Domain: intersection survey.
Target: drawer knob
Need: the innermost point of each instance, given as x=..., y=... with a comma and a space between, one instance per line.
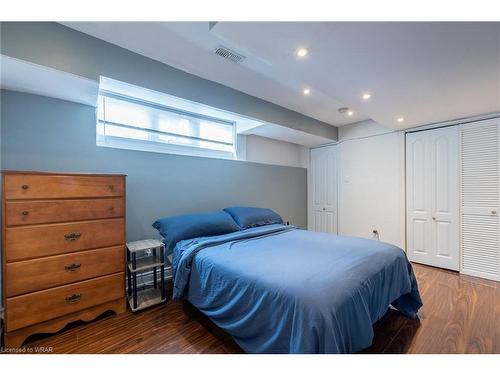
x=493, y=212
x=25, y=213
x=72, y=267
x=25, y=187
x=111, y=187
x=74, y=298
x=73, y=236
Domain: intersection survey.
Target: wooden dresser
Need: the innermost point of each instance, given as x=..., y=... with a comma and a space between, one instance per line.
x=63, y=239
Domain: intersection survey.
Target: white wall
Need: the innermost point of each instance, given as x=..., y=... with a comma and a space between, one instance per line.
x=362, y=129
x=272, y=151
x=371, y=182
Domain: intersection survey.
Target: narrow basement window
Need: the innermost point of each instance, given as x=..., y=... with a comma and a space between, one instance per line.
x=133, y=117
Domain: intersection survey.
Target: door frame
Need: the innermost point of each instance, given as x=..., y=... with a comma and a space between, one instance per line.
x=455, y=122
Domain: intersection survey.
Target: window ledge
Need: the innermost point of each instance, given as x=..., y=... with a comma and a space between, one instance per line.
x=164, y=148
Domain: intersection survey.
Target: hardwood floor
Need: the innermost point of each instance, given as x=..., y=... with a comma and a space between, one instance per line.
x=461, y=314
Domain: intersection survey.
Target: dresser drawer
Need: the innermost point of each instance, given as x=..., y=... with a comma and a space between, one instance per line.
x=43, y=240
x=32, y=308
x=31, y=186
x=37, y=274
x=56, y=211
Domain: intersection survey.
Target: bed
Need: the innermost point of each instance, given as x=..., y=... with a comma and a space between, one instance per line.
x=279, y=289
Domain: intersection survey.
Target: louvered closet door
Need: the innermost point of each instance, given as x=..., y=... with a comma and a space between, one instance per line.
x=323, y=190
x=432, y=182
x=480, y=199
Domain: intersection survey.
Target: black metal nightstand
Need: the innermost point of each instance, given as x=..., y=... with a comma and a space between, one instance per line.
x=152, y=259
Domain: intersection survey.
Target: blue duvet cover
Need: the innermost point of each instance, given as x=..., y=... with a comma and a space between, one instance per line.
x=278, y=289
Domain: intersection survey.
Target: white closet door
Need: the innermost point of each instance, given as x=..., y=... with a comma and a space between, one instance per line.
x=432, y=180
x=480, y=199
x=323, y=190
x=445, y=205
x=418, y=197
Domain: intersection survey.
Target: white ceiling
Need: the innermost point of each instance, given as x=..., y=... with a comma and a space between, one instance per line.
x=424, y=72
x=285, y=134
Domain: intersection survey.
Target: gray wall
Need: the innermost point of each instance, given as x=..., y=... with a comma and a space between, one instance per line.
x=41, y=133
x=62, y=48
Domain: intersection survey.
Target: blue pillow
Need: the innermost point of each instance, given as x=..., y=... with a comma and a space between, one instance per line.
x=177, y=228
x=249, y=217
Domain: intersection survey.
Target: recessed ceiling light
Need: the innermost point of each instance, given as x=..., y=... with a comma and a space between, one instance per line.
x=350, y=113
x=302, y=52
x=400, y=119
x=306, y=91
x=366, y=96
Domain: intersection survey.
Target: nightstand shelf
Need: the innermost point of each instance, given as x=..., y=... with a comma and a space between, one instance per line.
x=146, y=298
x=144, y=264
x=143, y=257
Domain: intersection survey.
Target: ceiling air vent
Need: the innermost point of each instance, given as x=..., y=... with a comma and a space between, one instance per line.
x=229, y=55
